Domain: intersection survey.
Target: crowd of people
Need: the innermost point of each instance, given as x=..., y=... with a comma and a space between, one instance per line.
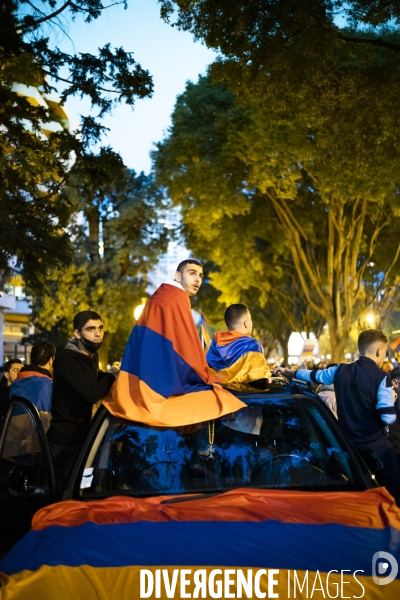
x=65, y=386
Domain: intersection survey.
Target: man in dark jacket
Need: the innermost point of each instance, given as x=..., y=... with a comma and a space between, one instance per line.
x=365, y=400
x=34, y=381
x=77, y=386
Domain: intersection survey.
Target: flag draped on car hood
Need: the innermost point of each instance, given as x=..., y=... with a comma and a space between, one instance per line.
x=164, y=378
x=237, y=359
x=97, y=550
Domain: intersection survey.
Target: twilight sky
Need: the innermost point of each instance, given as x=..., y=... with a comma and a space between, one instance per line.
x=171, y=56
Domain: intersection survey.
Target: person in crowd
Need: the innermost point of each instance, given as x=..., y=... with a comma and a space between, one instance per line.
x=327, y=393
x=387, y=366
x=11, y=370
x=34, y=382
x=365, y=400
x=77, y=386
x=164, y=378
x=234, y=356
x=394, y=428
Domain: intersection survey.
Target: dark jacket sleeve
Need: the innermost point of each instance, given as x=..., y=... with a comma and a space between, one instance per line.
x=103, y=374
x=71, y=371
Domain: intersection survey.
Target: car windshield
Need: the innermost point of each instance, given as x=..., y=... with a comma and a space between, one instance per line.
x=285, y=443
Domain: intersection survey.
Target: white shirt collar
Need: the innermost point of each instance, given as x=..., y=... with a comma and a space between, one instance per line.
x=175, y=283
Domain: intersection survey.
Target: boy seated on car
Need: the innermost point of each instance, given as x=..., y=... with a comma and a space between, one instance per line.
x=235, y=356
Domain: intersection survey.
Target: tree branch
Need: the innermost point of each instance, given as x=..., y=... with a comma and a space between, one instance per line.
x=87, y=85
x=35, y=7
x=287, y=314
x=372, y=42
x=331, y=238
x=49, y=17
x=297, y=260
x=46, y=17
x=374, y=239
x=282, y=209
x=386, y=273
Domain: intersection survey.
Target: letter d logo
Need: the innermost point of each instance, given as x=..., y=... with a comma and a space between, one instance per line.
x=382, y=567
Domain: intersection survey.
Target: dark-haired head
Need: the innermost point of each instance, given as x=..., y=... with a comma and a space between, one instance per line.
x=189, y=273
x=10, y=363
x=189, y=261
x=373, y=344
x=81, y=318
x=41, y=353
x=238, y=318
x=8, y=376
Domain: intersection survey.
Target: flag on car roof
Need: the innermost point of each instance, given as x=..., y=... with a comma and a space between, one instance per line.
x=237, y=359
x=98, y=549
x=164, y=378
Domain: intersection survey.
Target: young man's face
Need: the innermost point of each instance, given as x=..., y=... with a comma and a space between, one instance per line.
x=92, y=331
x=11, y=375
x=191, y=278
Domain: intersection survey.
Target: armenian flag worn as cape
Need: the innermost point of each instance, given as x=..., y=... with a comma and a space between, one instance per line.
x=96, y=550
x=164, y=378
x=237, y=359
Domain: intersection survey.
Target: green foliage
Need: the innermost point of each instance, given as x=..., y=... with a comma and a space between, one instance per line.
x=278, y=210
x=33, y=167
x=111, y=282
x=335, y=63
x=266, y=31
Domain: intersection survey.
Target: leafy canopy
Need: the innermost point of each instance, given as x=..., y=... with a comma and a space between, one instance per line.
x=278, y=209
x=34, y=166
x=320, y=57
x=112, y=256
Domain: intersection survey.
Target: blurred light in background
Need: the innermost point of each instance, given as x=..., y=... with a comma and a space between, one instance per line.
x=138, y=311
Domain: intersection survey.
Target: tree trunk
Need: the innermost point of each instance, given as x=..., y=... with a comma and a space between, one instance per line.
x=338, y=347
x=333, y=283
x=93, y=218
x=284, y=343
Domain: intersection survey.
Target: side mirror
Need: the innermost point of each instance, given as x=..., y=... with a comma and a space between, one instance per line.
x=22, y=479
x=374, y=464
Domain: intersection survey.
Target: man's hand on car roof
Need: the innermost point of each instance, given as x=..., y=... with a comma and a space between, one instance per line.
x=286, y=372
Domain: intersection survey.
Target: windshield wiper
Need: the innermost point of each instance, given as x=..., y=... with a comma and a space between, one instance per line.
x=196, y=497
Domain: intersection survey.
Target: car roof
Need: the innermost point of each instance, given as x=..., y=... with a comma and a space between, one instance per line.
x=279, y=389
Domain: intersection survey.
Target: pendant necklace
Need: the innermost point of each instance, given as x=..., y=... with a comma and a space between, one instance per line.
x=211, y=450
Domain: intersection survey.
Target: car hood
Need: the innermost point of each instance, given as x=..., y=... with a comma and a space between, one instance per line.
x=108, y=542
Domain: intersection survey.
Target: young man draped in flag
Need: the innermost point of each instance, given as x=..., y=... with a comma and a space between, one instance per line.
x=164, y=378
x=234, y=356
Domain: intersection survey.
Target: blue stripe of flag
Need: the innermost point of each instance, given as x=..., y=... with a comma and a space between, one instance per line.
x=152, y=358
x=267, y=544
x=221, y=357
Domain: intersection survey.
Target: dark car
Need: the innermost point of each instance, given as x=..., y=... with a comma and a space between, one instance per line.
x=273, y=487
x=285, y=439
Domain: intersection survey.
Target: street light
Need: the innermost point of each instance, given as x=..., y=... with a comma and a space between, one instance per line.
x=139, y=309
x=370, y=319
